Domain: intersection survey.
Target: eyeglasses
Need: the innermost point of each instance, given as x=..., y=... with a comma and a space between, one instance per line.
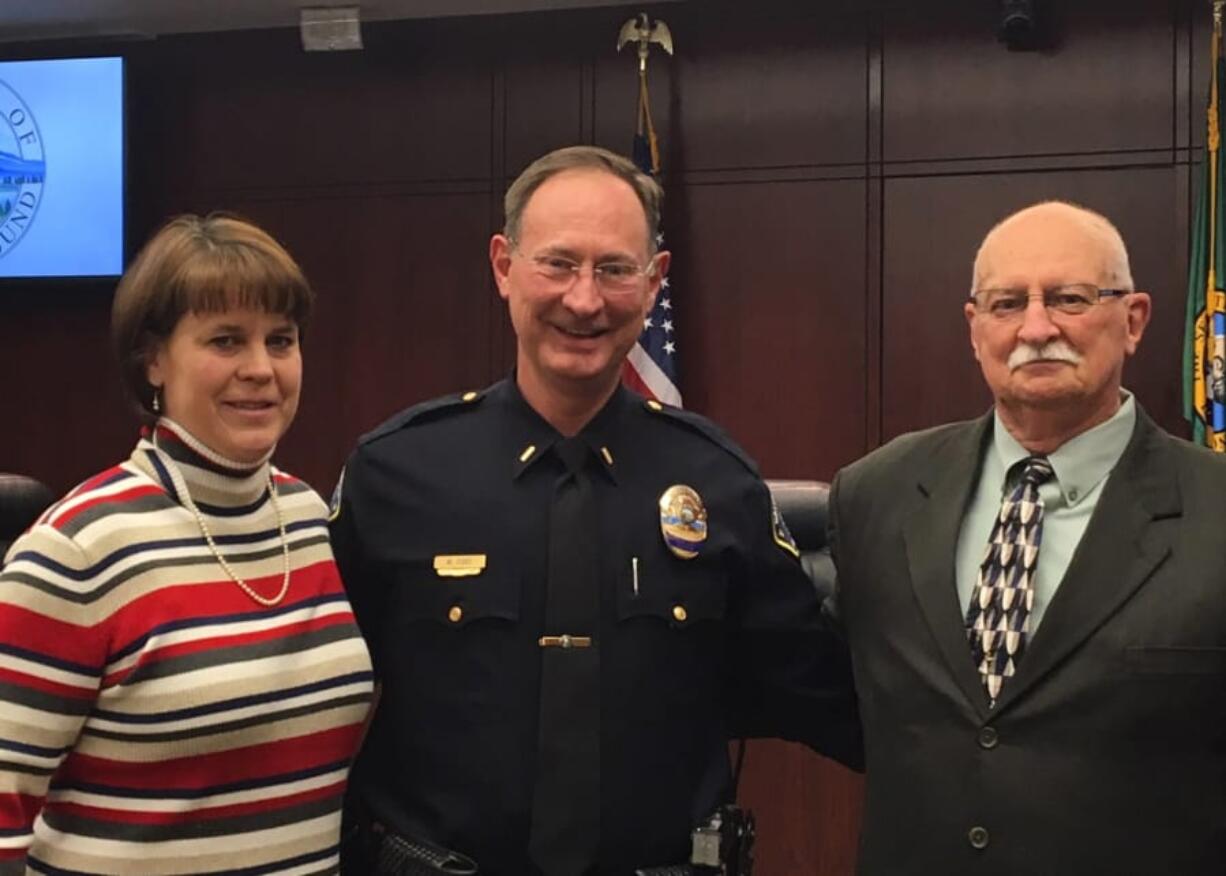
x=1071, y=300
x=559, y=274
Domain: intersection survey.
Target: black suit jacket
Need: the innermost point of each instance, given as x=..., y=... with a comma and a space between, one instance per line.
x=1106, y=753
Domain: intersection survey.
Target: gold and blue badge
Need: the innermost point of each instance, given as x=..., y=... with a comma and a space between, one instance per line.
x=683, y=521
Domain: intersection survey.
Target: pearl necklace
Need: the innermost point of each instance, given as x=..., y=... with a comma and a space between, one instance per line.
x=185, y=499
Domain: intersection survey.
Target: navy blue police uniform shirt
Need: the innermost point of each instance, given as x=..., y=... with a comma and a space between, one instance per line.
x=693, y=651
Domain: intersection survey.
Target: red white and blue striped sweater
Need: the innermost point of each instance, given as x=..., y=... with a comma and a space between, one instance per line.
x=154, y=718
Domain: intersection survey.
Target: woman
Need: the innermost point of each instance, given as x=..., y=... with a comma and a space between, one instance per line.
x=182, y=685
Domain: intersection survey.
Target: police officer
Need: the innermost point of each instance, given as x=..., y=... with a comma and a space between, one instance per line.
x=573, y=597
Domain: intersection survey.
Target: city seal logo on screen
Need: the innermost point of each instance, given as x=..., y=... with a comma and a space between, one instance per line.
x=22, y=169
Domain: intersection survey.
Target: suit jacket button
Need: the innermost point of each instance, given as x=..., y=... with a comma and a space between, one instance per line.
x=978, y=837
x=988, y=737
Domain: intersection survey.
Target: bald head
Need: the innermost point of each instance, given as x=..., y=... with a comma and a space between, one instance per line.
x=1099, y=241
x=1053, y=362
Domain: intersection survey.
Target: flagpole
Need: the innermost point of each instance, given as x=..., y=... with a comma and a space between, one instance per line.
x=641, y=31
x=1204, y=352
x=1214, y=140
x=650, y=368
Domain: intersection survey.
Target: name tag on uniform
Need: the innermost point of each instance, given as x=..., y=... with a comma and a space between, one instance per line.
x=458, y=565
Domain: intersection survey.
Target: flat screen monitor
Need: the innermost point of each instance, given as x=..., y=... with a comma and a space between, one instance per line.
x=61, y=168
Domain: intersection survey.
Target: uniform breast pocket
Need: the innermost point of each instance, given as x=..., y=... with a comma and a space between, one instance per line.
x=491, y=598
x=664, y=590
x=669, y=639
x=452, y=634
x=1176, y=660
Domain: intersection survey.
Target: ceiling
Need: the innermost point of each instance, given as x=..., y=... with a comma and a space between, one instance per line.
x=25, y=20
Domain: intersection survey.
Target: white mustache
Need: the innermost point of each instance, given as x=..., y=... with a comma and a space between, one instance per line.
x=1052, y=351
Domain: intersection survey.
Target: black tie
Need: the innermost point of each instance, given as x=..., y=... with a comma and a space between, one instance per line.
x=566, y=800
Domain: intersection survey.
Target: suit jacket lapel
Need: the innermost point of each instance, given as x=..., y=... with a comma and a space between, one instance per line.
x=931, y=537
x=1121, y=548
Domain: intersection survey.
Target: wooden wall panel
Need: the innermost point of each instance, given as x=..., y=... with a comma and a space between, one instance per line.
x=931, y=374
x=275, y=115
x=952, y=91
x=808, y=809
x=771, y=319
x=64, y=414
x=551, y=90
x=779, y=87
x=546, y=79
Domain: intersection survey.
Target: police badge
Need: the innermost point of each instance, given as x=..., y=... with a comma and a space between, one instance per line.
x=683, y=521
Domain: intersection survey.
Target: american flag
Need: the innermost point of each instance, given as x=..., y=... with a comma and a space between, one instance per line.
x=651, y=366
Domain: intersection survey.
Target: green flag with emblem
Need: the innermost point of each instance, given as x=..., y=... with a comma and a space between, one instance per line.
x=1204, y=358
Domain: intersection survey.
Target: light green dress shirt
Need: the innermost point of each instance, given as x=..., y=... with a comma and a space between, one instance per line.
x=1081, y=467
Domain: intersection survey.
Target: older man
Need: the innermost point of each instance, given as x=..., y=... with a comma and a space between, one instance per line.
x=1036, y=600
x=572, y=596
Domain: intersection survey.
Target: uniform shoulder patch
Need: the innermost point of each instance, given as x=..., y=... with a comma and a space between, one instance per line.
x=704, y=427
x=424, y=412
x=780, y=531
x=334, y=504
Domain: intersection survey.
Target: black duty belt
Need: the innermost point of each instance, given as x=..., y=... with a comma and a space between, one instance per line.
x=395, y=855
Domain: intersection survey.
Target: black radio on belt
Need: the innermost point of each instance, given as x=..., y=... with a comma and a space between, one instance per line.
x=724, y=844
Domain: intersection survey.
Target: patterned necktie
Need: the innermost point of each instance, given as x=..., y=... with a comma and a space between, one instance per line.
x=998, y=618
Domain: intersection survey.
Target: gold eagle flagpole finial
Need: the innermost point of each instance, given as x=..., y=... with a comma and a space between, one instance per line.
x=640, y=30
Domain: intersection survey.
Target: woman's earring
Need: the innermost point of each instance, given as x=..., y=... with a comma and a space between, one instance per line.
x=157, y=399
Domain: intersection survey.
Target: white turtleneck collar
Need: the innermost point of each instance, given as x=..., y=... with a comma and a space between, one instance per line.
x=212, y=480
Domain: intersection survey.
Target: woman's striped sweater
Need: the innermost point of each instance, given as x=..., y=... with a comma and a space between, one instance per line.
x=154, y=718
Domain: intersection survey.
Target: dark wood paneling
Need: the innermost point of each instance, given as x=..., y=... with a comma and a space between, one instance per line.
x=545, y=82
x=773, y=87
x=952, y=91
x=414, y=107
x=405, y=312
x=552, y=92
x=807, y=809
x=933, y=229
x=771, y=317
x=64, y=414
x=1199, y=47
